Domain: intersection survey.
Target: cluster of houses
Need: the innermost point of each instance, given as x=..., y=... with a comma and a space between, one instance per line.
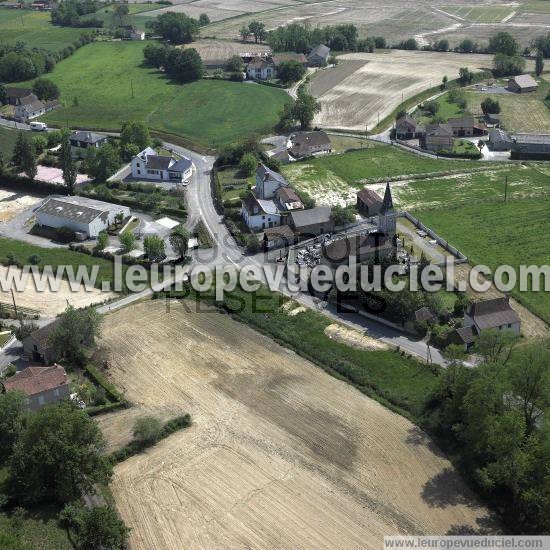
x=26, y=105
x=439, y=136
x=265, y=66
x=300, y=145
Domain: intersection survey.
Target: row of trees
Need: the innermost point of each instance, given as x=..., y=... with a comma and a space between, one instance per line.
x=495, y=418
x=176, y=28
x=302, y=38
x=183, y=65
x=72, y=13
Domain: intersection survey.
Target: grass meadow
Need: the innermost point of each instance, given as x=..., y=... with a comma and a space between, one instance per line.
x=470, y=212
x=34, y=28
x=104, y=84
x=7, y=141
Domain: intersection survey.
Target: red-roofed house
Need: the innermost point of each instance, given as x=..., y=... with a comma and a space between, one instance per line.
x=42, y=385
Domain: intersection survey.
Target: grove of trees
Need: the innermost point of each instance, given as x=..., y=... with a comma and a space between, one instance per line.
x=174, y=27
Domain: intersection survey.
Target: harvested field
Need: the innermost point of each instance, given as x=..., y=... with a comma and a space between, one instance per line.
x=280, y=454
x=480, y=14
x=213, y=51
x=13, y=203
x=352, y=99
x=52, y=303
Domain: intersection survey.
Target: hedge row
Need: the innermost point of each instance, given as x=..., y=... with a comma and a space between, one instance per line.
x=100, y=380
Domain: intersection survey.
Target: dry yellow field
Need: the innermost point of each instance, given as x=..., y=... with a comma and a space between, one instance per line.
x=13, y=203
x=280, y=454
x=51, y=303
x=366, y=87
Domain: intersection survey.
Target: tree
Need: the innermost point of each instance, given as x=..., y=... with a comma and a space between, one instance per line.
x=177, y=28
x=96, y=528
x=286, y=118
x=22, y=143
x=248, y=164
x=128, y=241
x=465, y=76
x=379, y=42
x=234, y=64
x=121, y=11
x=290, y=71
x=467, y=46
x=13, y=407
x=258, y=30
x=489, y=105
x=154, y=248
x=2, y=164
x=3, y=94
x=155, y=54
x=75, y=330
x=441, y=45
x=102, y=240
x=101, y=163
x=45, y=89
x=342, y=216
x=135, y=133
x=68, y=165
x=305, y=109
x=179, y=240
x=58, y=456
x=505, y=65
x=204, y=20
x=253, y=245
x=431, y=107
x=504, y=43
x=496, y=346
x=539, y=63
x=184, y=65
x=244, y=32
x=444, y=82
x=147, y=429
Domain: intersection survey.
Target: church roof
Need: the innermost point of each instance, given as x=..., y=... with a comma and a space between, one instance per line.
x=387, y=203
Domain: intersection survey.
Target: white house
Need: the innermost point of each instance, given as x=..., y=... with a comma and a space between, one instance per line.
x=268, y=182
x=150, y=166
x=79, y=214
x=492, y=314
x=30, y=107
x=259, y=213
x=261, y=68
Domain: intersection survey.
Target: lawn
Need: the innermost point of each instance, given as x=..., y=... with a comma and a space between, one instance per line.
x=333, y=178
x=480, y=14
x=109, y=20
x=233, y=184
x=104, y=84
x=446, y=110
x=519, y=112
x=34, y=28
x=471, y=214
x=7, y=141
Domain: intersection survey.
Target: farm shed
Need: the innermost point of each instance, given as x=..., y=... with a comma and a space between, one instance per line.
x=369, y=202
x=499, y=140
x=319, y=56
x=492, y=314
x=522, y=83
x=531, y=146
x=36, y=346
x=278, y=237
x=406, y=127
x=79, y=214
x=314, y=221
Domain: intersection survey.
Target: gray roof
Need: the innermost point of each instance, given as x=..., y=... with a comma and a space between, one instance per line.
x=302, y=141
x=461, y=122
x=499, y=135
x=424, y=314
x=439, y=130
x=409, y=120
x=18, y=92
x=87, y=137
x=303, y=218
x=387, y=203
x=181, y=165
x=268, y=206
x=265, y=206
x=492, y=313
x=261, y=63
x=265, y=173
x=321, y=50
x=28, y=99
x=158, y=162
x=34, y=106
x=69, y=211
x=532, y=138
x=524, y=81
x=466, y=334
x=41, y=336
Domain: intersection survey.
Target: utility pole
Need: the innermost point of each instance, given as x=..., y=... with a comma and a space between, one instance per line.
x=15, y=307
x=132, y=87
x=506, y=190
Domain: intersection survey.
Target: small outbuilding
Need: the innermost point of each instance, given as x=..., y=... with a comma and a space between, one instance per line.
x=369, y=202
x=319, y=56
x=531, y=146
x=314, y=221
x=499, y=140
x=278, y=237
x=406, y=127
x=37, y=347
x=522, y=83
x=81, y=141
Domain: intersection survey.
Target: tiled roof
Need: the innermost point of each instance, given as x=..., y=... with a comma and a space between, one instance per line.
x=69, y=211
x=525, y=81
x=34, y=380
x=492, y=313
x=87, y=137
x=303, y=218
x=369, y=197
x=265, y=173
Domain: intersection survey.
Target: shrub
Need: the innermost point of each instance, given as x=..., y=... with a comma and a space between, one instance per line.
x=35, y=259
x=147, y=429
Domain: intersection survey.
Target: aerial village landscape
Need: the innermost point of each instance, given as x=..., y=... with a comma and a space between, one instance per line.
x=189, y=190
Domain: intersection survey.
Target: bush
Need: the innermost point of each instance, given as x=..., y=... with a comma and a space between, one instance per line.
x=147, y=429
x=248, y=164
x=35, y=259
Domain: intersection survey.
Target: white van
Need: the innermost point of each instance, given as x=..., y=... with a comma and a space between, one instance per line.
x=38, y=126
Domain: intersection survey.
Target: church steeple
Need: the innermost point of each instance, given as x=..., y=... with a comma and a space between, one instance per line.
x=387, y=203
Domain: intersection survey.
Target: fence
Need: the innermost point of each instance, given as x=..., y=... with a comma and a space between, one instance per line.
x=459, y=257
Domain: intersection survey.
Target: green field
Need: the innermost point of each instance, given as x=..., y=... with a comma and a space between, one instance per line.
x=7, y=141
x=336, y=174
x=106, y=15
x=519, y=112
x=469, y=212
x=535, y=6
x=104, y=84
x=446, y=110
x=35, y=30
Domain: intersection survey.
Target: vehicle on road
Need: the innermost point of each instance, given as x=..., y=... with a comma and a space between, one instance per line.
x=38, y=126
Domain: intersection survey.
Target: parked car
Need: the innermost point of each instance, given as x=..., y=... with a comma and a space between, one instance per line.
x=38, y=126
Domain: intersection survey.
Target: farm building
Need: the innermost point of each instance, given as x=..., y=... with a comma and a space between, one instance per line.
x=407, y=127
x=36, y=346
x=369, y=202
x=290, y=56
x=288, y=199
x=314, y=221
x=260, y=213
x=522, y=83
x=15, y=96
x=319, y=56
x=261, y=68
x=499, y=140
x=465, y=126
x=278, y=237
x=41, y=385
x=531, y=146
x=150, y=166
x=81, y=215
x=306, y=144
x=367, y=247
x=438, y=137
x=492, y=119
x=81, y=141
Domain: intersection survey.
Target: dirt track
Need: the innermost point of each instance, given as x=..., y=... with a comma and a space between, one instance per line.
x=280, y=455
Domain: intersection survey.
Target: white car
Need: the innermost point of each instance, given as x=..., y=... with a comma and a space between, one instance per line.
x=38, y=126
